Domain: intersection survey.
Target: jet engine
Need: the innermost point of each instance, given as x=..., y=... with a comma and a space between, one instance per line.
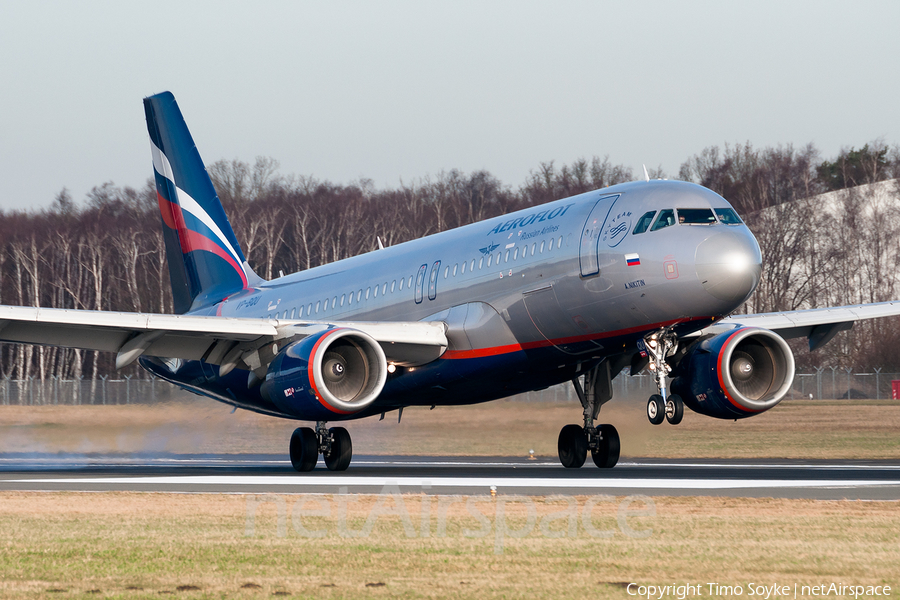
x=735, y=374
x=327, y=375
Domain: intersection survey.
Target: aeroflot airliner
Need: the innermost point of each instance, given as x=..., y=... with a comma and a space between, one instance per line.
x=639, y=275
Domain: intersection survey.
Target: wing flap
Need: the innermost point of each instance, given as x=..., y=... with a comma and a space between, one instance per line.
x=211, y=339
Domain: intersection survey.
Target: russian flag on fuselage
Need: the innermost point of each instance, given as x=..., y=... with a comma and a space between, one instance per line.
x=205, y=261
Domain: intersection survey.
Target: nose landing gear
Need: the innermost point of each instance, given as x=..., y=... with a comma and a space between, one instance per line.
x=602, y=440
x=334, y=444
x=661, y=406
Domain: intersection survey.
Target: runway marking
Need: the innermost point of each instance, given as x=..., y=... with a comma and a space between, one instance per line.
x=465, y=482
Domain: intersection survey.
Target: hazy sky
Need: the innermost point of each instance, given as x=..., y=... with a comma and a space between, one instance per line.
x=401, y=90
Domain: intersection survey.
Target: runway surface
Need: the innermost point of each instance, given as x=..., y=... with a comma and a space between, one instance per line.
x=259, y=474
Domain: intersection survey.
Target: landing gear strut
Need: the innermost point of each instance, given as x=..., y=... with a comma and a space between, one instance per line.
x=333, y=444
x=659, y=346
x=602, y=440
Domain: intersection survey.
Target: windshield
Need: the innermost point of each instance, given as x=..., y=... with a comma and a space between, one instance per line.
x=696, y=216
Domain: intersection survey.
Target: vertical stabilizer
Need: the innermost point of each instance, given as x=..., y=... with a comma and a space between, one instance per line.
x=205, y=261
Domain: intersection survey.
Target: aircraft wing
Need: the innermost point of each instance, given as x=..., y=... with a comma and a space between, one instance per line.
x=215, y=340
x=820, y=325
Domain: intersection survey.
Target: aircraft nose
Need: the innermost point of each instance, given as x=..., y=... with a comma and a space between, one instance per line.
x=728, y=264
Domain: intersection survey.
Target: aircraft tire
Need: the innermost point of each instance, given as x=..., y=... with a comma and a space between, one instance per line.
x=607, y=454
x=656, y=409
x=674, y=409
x=304, y=449
x=572, y=446
x=338, y=459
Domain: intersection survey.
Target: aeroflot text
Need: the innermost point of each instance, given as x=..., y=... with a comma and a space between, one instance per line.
x=658, y=592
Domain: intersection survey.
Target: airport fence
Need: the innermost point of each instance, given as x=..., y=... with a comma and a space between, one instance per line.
x=809, y=384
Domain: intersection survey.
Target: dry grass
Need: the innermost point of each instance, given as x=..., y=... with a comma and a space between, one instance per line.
x=855, y=429
x=143, y=545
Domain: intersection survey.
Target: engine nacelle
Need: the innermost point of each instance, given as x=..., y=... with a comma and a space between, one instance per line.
x=327, y=375
x=736, y=374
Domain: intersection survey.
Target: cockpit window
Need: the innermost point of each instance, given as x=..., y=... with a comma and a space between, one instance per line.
x=666, y=217
x=644, y=222
x=728, y=216
x=696, y=216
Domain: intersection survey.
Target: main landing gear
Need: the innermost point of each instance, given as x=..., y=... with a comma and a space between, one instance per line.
x=661, y=406
x=601, y=440
x=333, y=444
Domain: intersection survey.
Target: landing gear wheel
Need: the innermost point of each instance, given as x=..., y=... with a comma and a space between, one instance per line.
x=338, y=458
x=572, y=446
x=304, y=449
x=606, y=454
x=674, y=409
x=656, y=409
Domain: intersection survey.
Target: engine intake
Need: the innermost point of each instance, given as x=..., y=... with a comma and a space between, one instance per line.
x=736, y=374
x=323, y=376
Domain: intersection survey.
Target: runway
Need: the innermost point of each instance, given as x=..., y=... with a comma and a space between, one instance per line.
x=259, y=474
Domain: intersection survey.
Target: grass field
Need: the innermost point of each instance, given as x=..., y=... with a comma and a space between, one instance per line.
x=851, y=429
x=133, y=545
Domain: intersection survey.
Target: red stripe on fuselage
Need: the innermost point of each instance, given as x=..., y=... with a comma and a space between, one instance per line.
x=497, y=350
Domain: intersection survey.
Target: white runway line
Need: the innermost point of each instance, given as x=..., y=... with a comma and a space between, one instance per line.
x=466, y=482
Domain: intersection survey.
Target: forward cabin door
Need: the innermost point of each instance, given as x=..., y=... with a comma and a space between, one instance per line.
x=590, y=235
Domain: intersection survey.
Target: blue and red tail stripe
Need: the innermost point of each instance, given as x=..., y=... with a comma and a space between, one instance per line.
x=205, y=260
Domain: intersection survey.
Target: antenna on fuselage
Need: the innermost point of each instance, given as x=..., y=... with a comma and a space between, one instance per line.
x=380, y=244
x=646, y=174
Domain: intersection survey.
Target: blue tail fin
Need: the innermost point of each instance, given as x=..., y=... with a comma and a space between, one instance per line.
x=205, y=261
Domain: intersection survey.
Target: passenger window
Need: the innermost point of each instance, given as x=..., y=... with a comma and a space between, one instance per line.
x=409, y=283
x=309, y=310
x=318, y=304
x=696, y=216
x=559, y=242
x=542, y=246
x=516, y=253
x=490, y=259
x=300, y=314
x=506, y=258
x=728, y=216
x=550, y=245
x=401, y=283
x=463, y=270
x=393, y=285
x=498, y=258
x=358, y=295
x=368, y=292
x=325, y=306
x=472, y=267
x=384, y=289
x=343, y=297
x=481, y=263
x=644, y=222
x=375, y=292
x=455, y=268
x=665, y=219
x=533, y=248
x=294, y=313
x=446, y=271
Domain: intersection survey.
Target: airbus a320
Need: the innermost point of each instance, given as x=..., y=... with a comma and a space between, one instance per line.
x=638, y=275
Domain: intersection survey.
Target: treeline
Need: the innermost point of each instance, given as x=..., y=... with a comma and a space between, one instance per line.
x=107, y=252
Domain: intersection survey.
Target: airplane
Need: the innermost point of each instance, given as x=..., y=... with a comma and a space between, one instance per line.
x=638, y=275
